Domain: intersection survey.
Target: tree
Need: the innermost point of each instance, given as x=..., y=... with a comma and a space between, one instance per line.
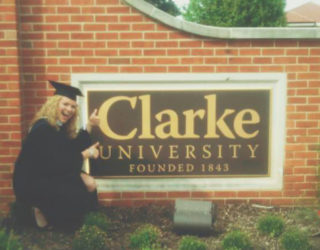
x=237, y=13
x=166, y=5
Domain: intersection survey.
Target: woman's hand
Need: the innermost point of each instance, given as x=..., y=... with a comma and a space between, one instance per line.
x=94, y=120
x=91, y=152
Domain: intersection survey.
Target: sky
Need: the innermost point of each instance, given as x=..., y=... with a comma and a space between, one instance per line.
x=290, y=4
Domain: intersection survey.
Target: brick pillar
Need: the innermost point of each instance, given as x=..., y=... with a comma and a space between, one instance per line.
x=10, y=102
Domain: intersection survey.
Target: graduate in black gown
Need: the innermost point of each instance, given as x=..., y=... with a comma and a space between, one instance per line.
x=48, y=174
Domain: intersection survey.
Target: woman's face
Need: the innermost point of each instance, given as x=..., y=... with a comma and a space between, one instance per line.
x=66, y=109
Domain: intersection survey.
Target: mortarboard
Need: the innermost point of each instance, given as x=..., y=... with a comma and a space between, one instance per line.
x=65, y=90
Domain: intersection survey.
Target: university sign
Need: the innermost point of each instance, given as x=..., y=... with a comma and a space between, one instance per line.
x=181, y=133
x=185, y=128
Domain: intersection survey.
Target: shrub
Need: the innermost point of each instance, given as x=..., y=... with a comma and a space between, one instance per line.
x=191, y=243
x=236, y=240
x=295, y=239
x=145, y=237
x=307, y=216
x=271, y=224
x=97, y=219
x=89, y=237
x=9, y=242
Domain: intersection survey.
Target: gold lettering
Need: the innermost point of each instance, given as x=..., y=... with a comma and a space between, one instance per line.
x=173, y=149
x=207, y=152
x=213, y=123
x=220, y=151
x=123, y=151
x=102, y=156
x=172, y=125
x=253, y=150
x=239, y=122
x=103, y=115
x=146, y=117
x=190, y=151
x=140, y=147
x=235, y=148
x=190, y=116
x=156, y=154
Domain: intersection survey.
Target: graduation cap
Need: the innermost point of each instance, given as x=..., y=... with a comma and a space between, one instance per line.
x=66, y=90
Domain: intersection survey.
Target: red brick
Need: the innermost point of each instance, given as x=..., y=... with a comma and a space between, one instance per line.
x=107, y=69
x=250, y=52
x=130, y=36
x=178, y=52
x=142, y=44
x=180, y=69
x=166, y=44
x=226, y=194
x=131, y=18
x=156, y=195
x=156, y=35
x=95, y=61
x=93, y=10
x=131, y=69
x=227, y=69
x=214, y=44
x=154, y=52
x=192, y=60
x=143, y=27
x=118, y=44
x=262, y=60
x=155, y=69
x=297, y=52
x=95, y=27
x=242, y=194
x=82, y=18
x=119, y=10
x=108, y=2
x=202, y=52
x=227, y=52
x=82, y=2
x=178, y=194
x=216, y=60
x=167, y=61
x=309, y=59
x=285, y=60
x=239, y=60
x=130, y=52
x=190, y=44
x=119, y=60
x=107, y=19
x=65, y=10
x=249, y=69
x=198, y=69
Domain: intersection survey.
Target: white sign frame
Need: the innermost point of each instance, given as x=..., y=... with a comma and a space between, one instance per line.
x=275, y=82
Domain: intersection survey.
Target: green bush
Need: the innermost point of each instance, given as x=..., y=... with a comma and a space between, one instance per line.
x=89, y=237
x=9, y=241
x=307, y=216
x=191, y=243
x=295, y=239
x=97, y=219
x=145, y=237
x=236, y=240
x=271, y=225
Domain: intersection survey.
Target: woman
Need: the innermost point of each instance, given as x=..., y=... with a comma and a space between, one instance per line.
x=47, y=174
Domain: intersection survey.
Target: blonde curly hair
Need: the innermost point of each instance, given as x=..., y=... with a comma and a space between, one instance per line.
x=49, y=111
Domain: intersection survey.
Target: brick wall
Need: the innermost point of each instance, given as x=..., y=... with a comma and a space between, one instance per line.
x=10, y=100
x=60, y=37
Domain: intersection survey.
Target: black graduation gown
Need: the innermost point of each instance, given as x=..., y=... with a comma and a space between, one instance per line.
x=47, y=173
